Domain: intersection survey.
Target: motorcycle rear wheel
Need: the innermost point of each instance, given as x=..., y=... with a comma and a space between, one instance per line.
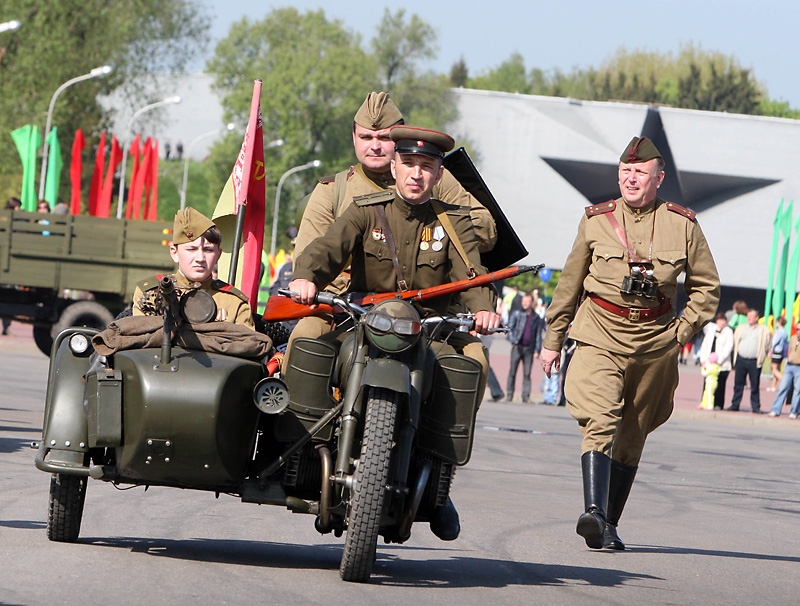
x=371, y=479
x=65, y=507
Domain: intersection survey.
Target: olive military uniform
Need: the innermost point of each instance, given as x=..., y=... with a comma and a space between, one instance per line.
x=623, y=375
x=359, y=231
x=232, y=305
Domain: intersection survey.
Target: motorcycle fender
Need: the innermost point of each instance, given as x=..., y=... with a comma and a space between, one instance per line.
x=388, y=374
x=65, y=430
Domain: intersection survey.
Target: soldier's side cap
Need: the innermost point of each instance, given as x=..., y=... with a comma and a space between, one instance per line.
x=377, y=112
x=189, y=225
x=640, y=149
x=412, y=140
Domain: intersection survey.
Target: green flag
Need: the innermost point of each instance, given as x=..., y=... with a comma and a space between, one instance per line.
x=54, y=166
x=773, y=253
x=27, y=141
x=780, y=280
x=791, y=275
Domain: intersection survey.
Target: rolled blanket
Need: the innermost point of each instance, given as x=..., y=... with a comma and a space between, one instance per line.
x=141, y=332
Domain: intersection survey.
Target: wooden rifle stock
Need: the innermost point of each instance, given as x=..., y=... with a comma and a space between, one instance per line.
x=283, y=308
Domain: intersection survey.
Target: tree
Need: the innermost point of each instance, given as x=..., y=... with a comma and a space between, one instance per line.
x=61, y=40
x=509, y=76
x=315, y=76
x=459, y=74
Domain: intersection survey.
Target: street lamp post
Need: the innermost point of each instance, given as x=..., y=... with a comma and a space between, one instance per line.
x=9, y=26
x=291, y=171
x=136, y=114
x=230, y=126
x=97, y=71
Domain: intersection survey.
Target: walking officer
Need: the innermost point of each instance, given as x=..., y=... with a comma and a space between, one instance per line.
x=616, y=288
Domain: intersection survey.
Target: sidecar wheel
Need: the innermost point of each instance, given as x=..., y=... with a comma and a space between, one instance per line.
x=65, y=508
x=371, y=478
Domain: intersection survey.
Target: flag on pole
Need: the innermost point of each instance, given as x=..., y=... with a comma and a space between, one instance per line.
x=783, y=260
x=104, y=201
x=246, y=188
x=75, y=168
x=791, y=275
x=151, y=210
x=137, y=181
x=97, y=175
x=54, y=166
x=27, y=141
x=134, y=152
x=776, y=224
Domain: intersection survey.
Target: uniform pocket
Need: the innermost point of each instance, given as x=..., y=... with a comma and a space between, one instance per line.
x=669, y=264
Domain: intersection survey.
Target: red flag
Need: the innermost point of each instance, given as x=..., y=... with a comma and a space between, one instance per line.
x=104, y=201
x=134, y=153
x=151, y=212
x=75, y=168
x=137, y=183
x=249, y=186
x=97, y=175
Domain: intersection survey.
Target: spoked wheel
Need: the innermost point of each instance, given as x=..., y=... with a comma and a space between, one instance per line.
x=369, y=487
x=65, y=508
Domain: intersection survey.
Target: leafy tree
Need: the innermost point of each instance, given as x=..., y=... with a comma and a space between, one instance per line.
x=315, y=75
x=509, y=76
x=458, y=73
x=61, y=40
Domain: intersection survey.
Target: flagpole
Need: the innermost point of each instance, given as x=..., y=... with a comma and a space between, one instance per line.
x=241, y=192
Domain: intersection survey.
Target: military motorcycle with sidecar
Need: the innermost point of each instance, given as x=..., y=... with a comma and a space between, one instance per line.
x=364, y=433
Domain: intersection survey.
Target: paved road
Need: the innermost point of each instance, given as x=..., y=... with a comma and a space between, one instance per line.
x=714, y=518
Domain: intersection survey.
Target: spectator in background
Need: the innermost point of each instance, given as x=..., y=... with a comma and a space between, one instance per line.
x=751, y=343
x=167, y=150
x=525, y=334
x=179, y=150
x=719, y=340
x=780, y=341
x=738, y=315
x=790, y=379
x=13, y=203
x=43, y=206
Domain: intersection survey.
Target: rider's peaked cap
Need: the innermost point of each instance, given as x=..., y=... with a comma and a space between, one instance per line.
x=189, y=225
x=411, y=140
x=378, y=112
x=640, y=149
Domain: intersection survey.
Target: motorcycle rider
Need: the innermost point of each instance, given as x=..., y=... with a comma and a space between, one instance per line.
x=404, y=239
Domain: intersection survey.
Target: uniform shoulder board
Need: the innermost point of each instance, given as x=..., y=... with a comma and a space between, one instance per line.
x=601, y=209
x=149, y=283
x=374, y=197
x=332, y=178
x=225, y=287
x=455, y=209
x=681, y=210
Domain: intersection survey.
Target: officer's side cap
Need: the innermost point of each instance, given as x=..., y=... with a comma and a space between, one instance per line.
x=189, y=225
x=377, y=112
x=412, y=140
x=640, y=149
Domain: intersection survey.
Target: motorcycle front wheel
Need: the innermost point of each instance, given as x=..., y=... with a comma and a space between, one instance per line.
x=369, y=486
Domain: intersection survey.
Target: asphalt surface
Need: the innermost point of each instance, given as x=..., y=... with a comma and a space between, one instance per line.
x=713, y=519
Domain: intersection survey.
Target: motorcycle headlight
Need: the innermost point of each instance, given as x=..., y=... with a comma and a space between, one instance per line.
x=393, y=326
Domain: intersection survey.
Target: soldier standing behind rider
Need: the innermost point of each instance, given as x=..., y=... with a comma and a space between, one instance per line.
x=425, y=234
x=374, y=149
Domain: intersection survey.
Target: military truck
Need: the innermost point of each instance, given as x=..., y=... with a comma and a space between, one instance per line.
x=58, y=271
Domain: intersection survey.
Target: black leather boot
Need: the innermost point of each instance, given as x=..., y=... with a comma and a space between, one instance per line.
x=596, y=470
x=445, y=523
x=618, y=490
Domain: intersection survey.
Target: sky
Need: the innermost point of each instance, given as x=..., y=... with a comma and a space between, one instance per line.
x=579, y=33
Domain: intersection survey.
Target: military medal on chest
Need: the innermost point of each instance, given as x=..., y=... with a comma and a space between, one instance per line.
x=438, y=236
x=377, y=234
x=427, y=236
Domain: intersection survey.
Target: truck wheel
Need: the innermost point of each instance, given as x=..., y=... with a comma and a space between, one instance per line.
x=83, y=313
x=369, y=487
x=43, y=337
x=65, y=508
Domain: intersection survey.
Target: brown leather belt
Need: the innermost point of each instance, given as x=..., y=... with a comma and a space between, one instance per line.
x=635, y=314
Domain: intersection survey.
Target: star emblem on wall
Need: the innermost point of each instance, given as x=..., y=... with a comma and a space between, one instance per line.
x=597, y=182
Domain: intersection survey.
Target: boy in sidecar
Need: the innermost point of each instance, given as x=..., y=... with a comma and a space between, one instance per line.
x=196, y=248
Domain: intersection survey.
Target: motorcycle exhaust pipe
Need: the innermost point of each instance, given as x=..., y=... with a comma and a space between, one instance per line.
x=323, y=521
